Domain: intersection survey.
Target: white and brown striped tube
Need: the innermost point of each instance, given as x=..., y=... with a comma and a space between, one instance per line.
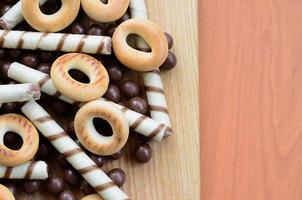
x=13, y=16
x=140, y=123
x=73, y=153
x=152, y=80
x=19, y=92
x=55, y=42
x=30, y=170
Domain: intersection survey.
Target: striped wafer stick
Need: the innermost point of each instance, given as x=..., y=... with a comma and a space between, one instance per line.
x=55, y=42
x=153, y=84
x=13, y=16
x=19, y=92
x=73, y=153
x=28, y=170
x=140, y=123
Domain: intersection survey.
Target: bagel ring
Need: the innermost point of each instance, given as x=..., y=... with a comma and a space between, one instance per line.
x=92, y=197
x=5, y=193
x=29, y=134
x=135, y=59
x=102, y=12
x=88, y=135
x=73, y=89
x=50, y=23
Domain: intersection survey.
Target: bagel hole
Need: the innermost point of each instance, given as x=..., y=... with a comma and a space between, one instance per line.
x=131, y=38
x=12, y=140
x=79, y=76
x=51, y=7
x=104, y=1
x=102, y=127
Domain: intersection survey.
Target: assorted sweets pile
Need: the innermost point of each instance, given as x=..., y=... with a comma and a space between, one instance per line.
x=70, y=96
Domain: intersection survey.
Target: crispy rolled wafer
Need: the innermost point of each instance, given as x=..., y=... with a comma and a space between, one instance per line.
x=153, y=84
x=5, y=193
x=55, y=42
x=19, y=92
x=73, y=153
x=92, y=197
x=13, y=16
x=30, y=170
x=140, y=123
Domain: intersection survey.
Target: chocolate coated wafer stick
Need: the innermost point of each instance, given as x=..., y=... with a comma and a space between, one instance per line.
x=29, y=170
x=140, y=123
x=153, y=84
x=55, y=42
x=73, y=153
x=13, y=16
x=19, y=92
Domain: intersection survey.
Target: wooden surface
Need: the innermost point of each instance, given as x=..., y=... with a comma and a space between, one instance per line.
x=251, y=99
x=173, y=172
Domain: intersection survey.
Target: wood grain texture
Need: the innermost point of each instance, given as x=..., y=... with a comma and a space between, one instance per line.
x=251, y=99
x=173, y=172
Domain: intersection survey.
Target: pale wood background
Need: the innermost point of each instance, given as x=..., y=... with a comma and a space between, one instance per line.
x=173, y=172
x=251, y=99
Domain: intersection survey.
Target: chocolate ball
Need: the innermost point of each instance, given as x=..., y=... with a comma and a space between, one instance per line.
x=113, y=93
x=44, y=67
x=170, y=62
x=115, y=73
x=55, y=185
x=118, y=176
x=67, y=195
x=3, y=70
x=43, y=150
x=138, y=104
x=99, y=160
x=30, y=60
x=70, y=127
x=61, y=160
x=95, y=29
x=4, y=8
x=169, y=40
x=10, y=107
x=31, y=186
x=117, y=155
x=86, y=188
x=143, y=153
x=12, y=187
x=77, y=28
x=46, y=56
x=110, y=30
x=14, y=54
x=71, y=177
x=130, y=88
x=125, y=17
x=2, y=53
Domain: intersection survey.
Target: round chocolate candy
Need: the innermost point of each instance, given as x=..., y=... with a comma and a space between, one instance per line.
x=10, y=107
x=143, y=153
x=46, y=56
x=31, y=186
x=44, y=67
x=3, y=70
x=67, y=195
x=12, y=187
x=71, y=177
x=117, y=155
x=77, y=28
x=99, y=160
x=118, y=176
x=95, y=29
x=14, y=54
x=86, y=188
x=61, y=160
x=170, y=62
x=169, y=40
x=113, y=93
x=44, y=149
x=138, y=104
x=2, y=53
x=55, y=185
x=30, y=59
x=115, y=73
x=130, y=88
x=110, y=30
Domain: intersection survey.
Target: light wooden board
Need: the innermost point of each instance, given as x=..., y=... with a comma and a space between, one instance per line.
x=173, y=172
x=251, y=99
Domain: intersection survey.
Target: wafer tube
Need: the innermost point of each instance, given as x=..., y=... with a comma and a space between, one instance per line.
x=152, y=81
x=19, y=92
x=55, y=42
x=73, y=153
x=140, y=123
x=13, y=16
x=29, y=170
